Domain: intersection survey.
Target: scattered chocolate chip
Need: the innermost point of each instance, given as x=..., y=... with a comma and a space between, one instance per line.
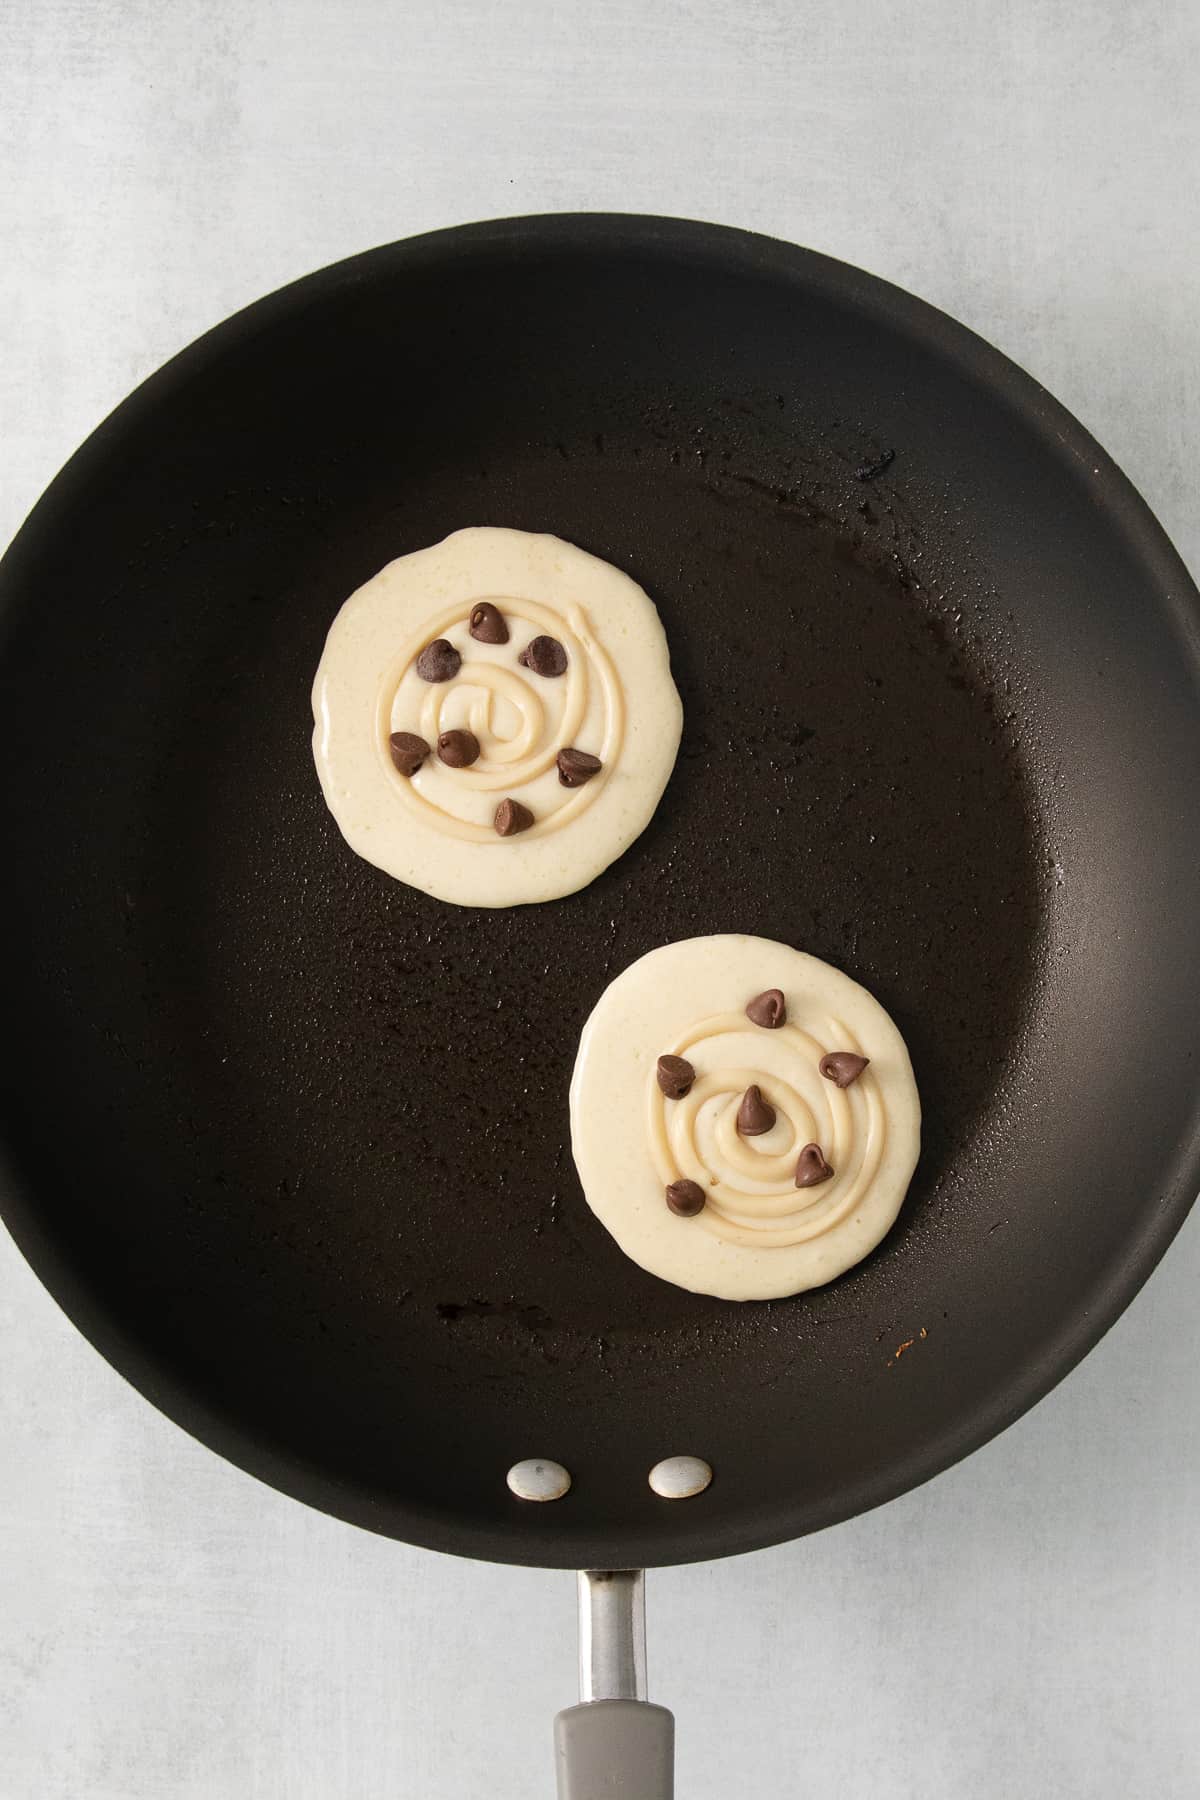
x=812, y=1167
x=869, y=470
x=842, y=1067
x=408, y=751
x=512, y=817
x=438, y=661
x=685, y=1198
x=767, y=1009
x=487, y=624
x=545, y=656
x=577, y=766
x=458, y=749
x=675, y=1076
x=755, y=1115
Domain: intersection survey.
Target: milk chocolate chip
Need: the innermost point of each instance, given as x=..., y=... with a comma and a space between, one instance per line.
x=767, y=1009
x=685, y=1198
x=487, y=624
x=811, y=1169
x=577, y=766
x=438, y=661
x=755, y=1115
x=408, y=751
x=675, y=1076
x=842, y=1067
x=545, y=656
x=458, y=749
x=512, y=817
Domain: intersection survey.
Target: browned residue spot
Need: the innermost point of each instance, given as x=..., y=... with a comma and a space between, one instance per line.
x=907, y=1345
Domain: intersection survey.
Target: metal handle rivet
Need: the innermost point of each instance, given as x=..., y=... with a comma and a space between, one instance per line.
x=679, y=1477
x=538, y=1479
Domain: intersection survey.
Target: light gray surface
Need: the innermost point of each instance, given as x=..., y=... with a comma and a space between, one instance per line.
x=1027, y=1625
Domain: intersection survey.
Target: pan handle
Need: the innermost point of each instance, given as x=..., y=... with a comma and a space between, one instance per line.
x=614, y=1742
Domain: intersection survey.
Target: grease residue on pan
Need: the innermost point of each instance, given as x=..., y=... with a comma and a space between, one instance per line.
x=848, y=781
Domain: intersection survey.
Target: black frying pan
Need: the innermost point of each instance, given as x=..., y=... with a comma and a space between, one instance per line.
x=289, y=1140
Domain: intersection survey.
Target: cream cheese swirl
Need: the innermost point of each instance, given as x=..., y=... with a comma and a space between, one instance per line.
x=521, y=720
x=749, y=1182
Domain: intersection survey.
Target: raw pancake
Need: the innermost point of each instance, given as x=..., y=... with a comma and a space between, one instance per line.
x=615, y=700
x=758, y=1236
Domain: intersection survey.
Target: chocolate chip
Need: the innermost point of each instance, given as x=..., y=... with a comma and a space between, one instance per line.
x=842, y=1067
x=512, y=817
x=408, y=751
x=458, y=749
x=675, y=1076
x=487, y=624
x=755, y=1115
x=545, y=656
x=438, y=661
x=577, y=766
x=767, y=1009
x=686, y=1198
x=811, y=1169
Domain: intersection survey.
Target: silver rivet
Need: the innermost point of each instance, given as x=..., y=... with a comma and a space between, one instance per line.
x=537, y=1479
x=679, y=1477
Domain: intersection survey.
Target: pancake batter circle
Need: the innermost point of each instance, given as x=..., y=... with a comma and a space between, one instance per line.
x=758, y=1235
x=603, y=693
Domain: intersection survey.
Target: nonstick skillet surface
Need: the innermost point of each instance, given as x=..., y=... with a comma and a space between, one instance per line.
x=289, y=1140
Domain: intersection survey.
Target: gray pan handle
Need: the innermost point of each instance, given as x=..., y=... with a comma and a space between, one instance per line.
x=614, y=1745
x=607, y=1748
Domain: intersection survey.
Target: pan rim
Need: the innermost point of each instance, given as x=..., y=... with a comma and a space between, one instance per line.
x=549, y=1538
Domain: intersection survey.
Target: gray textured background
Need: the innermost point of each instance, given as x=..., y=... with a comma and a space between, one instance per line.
x=1026, y=1625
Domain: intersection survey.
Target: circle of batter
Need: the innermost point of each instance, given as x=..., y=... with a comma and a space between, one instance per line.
x=758, y=1235
x=614, y=700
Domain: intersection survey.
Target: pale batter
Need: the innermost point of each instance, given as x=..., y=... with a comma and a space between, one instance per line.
x=495, y=718
x=734, y=1166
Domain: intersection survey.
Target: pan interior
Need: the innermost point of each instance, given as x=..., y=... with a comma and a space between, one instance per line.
x=291, y=1140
